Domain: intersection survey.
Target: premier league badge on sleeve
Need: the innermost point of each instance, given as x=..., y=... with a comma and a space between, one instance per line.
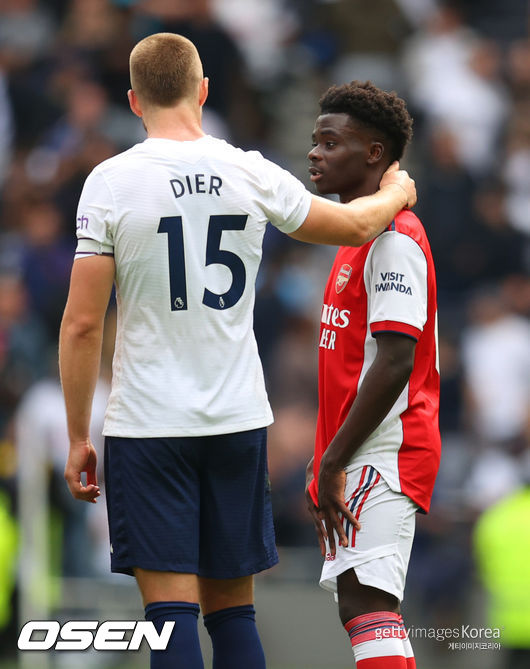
x=342, y=278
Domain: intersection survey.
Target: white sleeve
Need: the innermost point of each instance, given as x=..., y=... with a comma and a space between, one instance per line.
x=95, y=218
x=396, y=285
x=288, y=200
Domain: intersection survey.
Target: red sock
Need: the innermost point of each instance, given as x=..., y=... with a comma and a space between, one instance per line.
x=409, y=653
x=377, y=640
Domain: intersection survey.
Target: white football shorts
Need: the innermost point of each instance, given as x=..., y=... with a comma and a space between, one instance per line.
x=380, y=551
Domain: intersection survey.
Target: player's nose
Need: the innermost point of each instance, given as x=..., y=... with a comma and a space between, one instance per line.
x=314, y=154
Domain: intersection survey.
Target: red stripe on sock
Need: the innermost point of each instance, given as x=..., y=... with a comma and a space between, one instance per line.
x=370, y=618
x=376, y=616
x=374, y=627
x=388, y=662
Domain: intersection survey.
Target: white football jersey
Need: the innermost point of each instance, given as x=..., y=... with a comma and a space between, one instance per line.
x=185, y=223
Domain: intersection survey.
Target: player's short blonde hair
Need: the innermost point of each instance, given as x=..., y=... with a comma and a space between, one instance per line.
x=165, y=68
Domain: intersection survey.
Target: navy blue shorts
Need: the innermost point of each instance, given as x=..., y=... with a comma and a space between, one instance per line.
x=199, y=505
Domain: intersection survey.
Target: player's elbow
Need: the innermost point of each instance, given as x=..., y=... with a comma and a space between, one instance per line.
x=404, y=369
x=80, y=327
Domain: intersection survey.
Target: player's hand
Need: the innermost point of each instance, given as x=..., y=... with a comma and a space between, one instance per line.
x=82, y=458
x=331, y=486
x=395, y=177
x=314, y=511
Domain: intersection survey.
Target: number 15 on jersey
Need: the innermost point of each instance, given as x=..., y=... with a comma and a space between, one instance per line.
x=172, y=226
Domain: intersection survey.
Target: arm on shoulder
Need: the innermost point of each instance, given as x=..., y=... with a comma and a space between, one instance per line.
x=362, y=219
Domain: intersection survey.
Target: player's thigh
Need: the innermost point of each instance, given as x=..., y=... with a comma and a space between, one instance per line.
x=153, y=500
x=217, y=594
x=379, y=552
x=356, y=599
x=237, y=532
x=164, y=586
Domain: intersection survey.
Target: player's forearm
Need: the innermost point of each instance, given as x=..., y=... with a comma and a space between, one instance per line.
x=354, y=223
x=79, y=359
x=378, y=393
x=373, y=213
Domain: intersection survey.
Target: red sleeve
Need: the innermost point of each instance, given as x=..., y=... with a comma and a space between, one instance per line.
x=395, y=326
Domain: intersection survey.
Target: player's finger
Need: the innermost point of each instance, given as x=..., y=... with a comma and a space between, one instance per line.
x=394, y=167
x=321, y=533
x=91, y=477
x=329, y=524
x=350, y=517
x=413, y=198
x=322, y=525
x=88, y=493
x=316, y=515
x=321, y=539
x=343, y=537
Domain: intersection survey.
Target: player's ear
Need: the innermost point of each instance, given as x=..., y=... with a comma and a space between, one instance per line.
x=203, y=91
x=377, y=151
x=134, y=103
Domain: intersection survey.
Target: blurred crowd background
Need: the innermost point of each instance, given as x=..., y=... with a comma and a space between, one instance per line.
x=464, y=69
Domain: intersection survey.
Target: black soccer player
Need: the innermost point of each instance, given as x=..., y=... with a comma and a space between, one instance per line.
x=377, y=443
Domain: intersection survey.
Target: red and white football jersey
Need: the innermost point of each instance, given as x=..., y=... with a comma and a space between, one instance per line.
x=387, y=285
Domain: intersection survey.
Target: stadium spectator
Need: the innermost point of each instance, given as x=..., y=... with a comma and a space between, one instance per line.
x=6, y=128
x=447, y=209
x=502, y=544
x=454, y=79
x=231, y=98
x=22, y=342
x=496, y=363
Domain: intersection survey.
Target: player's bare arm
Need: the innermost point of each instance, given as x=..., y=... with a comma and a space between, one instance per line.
x=362, y=219
x=80, y=343
x=381, y=387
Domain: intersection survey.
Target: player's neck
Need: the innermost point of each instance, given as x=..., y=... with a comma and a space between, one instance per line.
x=179, y=123
x=368, y=187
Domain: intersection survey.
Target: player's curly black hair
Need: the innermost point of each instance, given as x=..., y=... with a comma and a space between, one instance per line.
x=373, y=107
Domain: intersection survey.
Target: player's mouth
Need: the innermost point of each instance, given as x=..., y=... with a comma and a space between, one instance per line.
x=316, y=174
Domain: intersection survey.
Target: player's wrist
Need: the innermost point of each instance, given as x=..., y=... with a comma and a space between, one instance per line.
x=333, y=461
x=399, y=188
x=79, y=442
